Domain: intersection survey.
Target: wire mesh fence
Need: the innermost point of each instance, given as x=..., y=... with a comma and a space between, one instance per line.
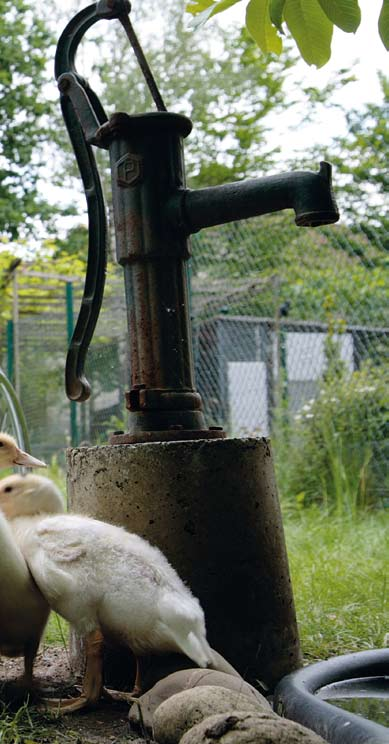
x=284, y=319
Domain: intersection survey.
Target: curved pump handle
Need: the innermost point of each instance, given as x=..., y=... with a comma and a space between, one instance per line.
x=84, y=115
x=77, y=386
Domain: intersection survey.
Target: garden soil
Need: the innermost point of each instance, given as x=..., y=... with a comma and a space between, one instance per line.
x=107, y=724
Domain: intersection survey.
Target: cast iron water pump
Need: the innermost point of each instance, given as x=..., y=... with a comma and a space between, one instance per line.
x=209, y=502
x=154, y=215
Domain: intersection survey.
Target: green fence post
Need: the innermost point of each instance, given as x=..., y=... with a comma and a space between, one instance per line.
x=10, y=350
x=69, y=323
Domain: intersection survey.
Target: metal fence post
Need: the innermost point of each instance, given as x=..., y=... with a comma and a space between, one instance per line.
x=74, y=437
x=10, y=350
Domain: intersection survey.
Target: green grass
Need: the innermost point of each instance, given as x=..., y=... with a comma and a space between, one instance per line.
x=27, y=726
x=339, y=570
x=57, y=632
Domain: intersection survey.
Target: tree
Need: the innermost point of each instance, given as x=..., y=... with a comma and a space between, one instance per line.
x=310, y=22
x=24, y=41
x=362, y=157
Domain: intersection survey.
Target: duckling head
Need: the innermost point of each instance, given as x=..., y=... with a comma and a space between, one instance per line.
x=11, y=454
x=29, y=495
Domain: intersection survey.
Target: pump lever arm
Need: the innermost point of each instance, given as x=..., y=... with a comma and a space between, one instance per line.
x=83, y=113
x=77, y=386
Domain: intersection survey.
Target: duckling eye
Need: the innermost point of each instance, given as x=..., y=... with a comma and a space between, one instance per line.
x=8, y=489
x=1, y=444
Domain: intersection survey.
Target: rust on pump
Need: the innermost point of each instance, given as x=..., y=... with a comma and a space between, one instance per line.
x=154, y=216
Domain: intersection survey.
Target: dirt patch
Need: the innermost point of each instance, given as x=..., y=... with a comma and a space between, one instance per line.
x=107, y=724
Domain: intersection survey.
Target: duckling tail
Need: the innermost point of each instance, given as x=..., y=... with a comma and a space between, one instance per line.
x=197, y=648
x=220, y=664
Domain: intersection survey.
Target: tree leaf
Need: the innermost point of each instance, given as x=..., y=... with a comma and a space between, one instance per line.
x=276, y=10
x=260, y=27
x=198, y=6
x=383, y=24
x=343, y=13
x=204, y=9
x=223, y=5
x=311, y=29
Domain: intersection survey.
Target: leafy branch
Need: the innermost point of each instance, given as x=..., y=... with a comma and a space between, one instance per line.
x=310, y=22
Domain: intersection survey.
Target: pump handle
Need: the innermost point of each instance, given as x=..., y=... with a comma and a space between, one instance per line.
x=84, y=115
x=77, y=386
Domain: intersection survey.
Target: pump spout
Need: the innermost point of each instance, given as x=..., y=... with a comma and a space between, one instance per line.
x=309, y=194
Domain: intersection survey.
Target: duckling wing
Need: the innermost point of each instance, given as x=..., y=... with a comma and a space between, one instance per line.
x=74, y=561
x=55, y=555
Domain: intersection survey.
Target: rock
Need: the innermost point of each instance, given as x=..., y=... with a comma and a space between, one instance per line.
x=182, y=711
x=249, y=728
x=185, y=680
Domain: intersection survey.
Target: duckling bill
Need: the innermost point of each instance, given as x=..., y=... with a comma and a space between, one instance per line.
x=11, y=454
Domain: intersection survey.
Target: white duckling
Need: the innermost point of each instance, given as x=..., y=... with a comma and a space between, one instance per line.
x=23, y=609
x=108, y=583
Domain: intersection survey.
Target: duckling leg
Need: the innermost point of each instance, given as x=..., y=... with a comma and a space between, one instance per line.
x=30, y=651
x=92, y=683
x=137, y=689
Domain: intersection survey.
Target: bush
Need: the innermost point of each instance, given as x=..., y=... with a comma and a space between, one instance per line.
x=335, y=451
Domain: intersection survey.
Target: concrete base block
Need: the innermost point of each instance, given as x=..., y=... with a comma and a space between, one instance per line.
x=211, y=506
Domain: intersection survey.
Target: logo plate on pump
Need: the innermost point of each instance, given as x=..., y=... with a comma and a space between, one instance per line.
x=129, y=170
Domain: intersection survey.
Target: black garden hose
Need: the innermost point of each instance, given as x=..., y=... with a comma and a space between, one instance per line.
x=296, y=697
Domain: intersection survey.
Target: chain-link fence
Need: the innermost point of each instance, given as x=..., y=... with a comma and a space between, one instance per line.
x=280, y=315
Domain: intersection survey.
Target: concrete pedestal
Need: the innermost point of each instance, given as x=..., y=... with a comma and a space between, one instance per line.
x=212, y=508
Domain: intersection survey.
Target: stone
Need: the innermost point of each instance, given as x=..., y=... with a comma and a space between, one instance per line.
x=185, y=709
x=186, y=679
x=249, y=728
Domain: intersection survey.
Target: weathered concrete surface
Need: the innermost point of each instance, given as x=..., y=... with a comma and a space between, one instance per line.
x=212, y=508
x=249, y=728
x=142, y=712
x=186, y=709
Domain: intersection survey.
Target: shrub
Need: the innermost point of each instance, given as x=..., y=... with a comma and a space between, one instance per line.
x=335, y=451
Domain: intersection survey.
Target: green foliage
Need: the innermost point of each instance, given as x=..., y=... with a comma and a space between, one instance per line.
x=383, y=24
x=256, y=266
x=264, y=33
x=337, y=441
x=311, y=29
x=24, y=43
x=361, y=159
x=343, y=13
x=310, y=22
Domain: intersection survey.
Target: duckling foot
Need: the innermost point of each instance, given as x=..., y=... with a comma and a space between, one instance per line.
x=92, y=684
x=62, y=706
